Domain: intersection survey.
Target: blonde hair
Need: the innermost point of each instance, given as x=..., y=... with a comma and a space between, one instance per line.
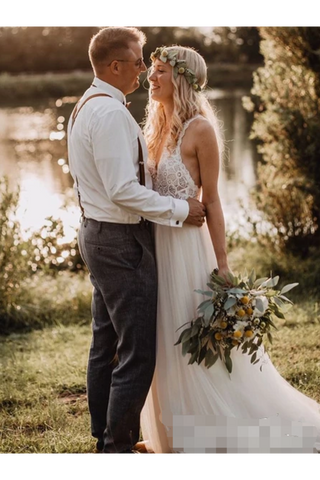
x=187, y=103
x=110, y=42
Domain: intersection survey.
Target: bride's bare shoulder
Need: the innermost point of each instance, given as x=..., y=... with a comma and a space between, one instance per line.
x=201, y=128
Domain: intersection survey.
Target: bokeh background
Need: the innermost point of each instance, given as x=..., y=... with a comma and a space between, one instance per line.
x=264, y=85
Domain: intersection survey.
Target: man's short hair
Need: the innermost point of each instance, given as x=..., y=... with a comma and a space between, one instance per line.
x=110, y=42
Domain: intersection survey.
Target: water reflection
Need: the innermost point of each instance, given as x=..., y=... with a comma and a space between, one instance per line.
x=33, y=152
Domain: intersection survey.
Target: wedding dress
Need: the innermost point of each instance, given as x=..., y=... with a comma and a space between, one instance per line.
x=193, y=409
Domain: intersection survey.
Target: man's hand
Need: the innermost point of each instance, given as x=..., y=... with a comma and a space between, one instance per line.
x=197, y=212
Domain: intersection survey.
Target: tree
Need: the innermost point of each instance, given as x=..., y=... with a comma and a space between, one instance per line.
x=285, y=102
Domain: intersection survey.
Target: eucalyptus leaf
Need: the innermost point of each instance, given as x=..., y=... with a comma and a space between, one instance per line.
x=283, y=297
x=252, y=277
x=208, y=314
x=210, y=358
x=186, y=335
x=228, y=363
x=278, y=313
x=253, y=358
x=237, y=291
x=202, y=354
x=278, y=301
x=271, y=282
x=203, y=305
x=259, y=281
x=207, y=293
x=193, y=358
x=229, y=303
x=288, y=287
x=217, y=279
x=185, y=348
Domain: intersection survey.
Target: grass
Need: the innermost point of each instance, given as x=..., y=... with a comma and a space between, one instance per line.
x=43, y=405
x=45, y=300
x=43, y=391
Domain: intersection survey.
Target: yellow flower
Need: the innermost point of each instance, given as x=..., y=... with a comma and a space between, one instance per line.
x=237, y=334
x=249, y=311
x=248, y=333
x=217, y=336
x=223, y=324
x=235, y=342
x=195, y=86
x=244, y=300
x=181, y=70
x=164, y=53
x=240, y=312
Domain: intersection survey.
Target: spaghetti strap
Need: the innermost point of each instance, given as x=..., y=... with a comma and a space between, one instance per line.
x=183, y=131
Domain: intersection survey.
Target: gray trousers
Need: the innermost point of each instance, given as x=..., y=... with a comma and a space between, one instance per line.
x=121, y=262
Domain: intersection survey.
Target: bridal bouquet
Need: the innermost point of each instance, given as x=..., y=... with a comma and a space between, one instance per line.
x=236, y=315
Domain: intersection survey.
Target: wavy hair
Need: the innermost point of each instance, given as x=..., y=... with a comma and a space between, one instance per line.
x=187, y=103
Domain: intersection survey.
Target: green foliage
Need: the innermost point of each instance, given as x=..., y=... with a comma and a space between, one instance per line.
x=48, y=252
x=286, y=103
x=33, y=290
x=239, y=314
x=59, y=49
x=13, y=253
x=42, y=49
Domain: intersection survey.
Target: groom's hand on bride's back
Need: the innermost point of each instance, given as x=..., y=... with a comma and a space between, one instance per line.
x=197, y=212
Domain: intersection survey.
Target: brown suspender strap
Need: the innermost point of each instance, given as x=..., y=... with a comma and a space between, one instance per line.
x=141, y=164
x=77, y=110
x=74, y=115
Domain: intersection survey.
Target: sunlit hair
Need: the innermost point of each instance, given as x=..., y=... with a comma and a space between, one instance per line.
x=111, y=43
x=187, y=103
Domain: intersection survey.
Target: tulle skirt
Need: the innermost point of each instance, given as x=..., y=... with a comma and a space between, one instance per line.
x=193, y=409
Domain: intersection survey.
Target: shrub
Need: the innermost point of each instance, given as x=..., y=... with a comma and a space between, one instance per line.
x=286, y=103
x=13, y=253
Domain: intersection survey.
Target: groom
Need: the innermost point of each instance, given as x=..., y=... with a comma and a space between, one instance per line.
x=105, y=146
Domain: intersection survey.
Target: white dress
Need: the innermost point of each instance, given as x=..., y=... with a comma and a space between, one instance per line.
x=193, y=409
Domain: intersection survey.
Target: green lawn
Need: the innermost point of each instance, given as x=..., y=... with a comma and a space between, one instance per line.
x=43, y=406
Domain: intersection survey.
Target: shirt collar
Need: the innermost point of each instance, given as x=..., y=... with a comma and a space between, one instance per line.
x=106, y=87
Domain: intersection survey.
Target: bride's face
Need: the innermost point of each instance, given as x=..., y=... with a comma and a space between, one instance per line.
x=161, y=85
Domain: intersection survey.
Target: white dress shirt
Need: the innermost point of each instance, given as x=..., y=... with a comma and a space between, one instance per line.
x=103, y=161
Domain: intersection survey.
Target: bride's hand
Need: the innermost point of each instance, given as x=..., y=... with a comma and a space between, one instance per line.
x=223, y=272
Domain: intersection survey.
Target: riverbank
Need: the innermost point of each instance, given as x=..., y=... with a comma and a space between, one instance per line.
x=23, y=87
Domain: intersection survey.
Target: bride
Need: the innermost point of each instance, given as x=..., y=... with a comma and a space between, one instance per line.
x=190, y=408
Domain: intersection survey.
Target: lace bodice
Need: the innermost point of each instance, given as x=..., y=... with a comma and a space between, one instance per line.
x=171, y=177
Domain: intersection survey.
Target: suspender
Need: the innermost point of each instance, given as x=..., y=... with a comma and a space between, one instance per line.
x=74, y=115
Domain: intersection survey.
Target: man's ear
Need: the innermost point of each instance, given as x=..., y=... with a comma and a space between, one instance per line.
x=114, y=67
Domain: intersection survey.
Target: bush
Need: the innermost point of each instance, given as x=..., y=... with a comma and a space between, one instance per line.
x=13, y=254
x=285, y=102
x=37, y=286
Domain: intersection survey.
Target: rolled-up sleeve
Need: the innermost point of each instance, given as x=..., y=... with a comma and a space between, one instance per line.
x=115, y=163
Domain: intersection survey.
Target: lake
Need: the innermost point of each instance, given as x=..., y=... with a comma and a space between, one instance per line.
x=33, y=152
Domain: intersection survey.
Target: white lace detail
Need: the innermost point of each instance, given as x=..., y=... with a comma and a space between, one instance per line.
x=171, y=177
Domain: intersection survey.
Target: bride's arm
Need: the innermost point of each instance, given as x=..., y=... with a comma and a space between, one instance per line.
x=209, y=164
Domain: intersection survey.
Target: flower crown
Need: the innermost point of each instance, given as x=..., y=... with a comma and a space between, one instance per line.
x=179, y=66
